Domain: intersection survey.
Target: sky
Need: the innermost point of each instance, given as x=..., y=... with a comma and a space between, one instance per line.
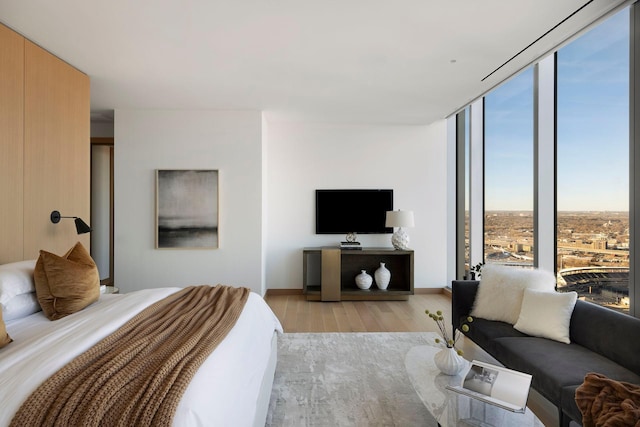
x=592, y=133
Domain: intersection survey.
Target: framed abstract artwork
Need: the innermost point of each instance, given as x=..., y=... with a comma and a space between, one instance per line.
x=187, y=209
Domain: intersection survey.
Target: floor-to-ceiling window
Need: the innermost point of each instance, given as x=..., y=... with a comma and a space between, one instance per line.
x=588, y=106
x=593, y=164
x=467, y=190
x=508, y=172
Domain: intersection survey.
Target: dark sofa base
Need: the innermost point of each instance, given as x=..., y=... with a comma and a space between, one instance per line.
x=557, y=369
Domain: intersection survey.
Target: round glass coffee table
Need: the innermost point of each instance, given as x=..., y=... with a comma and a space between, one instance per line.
x=452, y=409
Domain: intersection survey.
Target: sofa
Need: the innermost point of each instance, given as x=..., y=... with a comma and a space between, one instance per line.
x=601, y=340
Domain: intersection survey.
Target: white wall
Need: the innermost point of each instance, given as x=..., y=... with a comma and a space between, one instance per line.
x=229, y=141
x=268, y=176
x=304, y=157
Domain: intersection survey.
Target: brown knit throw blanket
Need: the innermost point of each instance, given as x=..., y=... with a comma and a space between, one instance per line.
x=608, y=403
x=137, y=375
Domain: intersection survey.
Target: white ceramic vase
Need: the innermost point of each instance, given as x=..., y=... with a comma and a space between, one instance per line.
x=383, y=277
x=363, y=280
x=449, y=361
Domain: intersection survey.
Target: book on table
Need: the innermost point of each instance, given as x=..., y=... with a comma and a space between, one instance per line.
x=496, y=385
x=350, y=245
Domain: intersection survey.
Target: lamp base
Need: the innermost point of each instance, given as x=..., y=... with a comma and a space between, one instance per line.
x=400, y=240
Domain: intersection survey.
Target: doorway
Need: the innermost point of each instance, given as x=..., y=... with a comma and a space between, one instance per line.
x=102, y=207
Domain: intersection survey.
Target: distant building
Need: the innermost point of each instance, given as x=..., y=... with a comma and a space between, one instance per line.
x=587, y=244
x=607, y=286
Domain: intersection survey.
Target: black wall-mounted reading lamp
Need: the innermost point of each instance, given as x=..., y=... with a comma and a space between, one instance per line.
x=81, y=226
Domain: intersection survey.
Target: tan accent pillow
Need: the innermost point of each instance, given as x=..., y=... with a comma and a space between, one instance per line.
x=66, y=284
x=4, y=336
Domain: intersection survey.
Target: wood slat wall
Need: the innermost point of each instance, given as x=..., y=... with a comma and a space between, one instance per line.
x=11, y=137
x=57, y=152
x=45, y=146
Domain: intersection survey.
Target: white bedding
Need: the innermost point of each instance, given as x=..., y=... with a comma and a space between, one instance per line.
x=223, y=392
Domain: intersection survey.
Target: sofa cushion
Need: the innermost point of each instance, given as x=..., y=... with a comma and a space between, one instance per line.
x=607, y=332
x=501, y=290
x=568, y=402
x=555, y=365
x=546, y=314
x=484, y=332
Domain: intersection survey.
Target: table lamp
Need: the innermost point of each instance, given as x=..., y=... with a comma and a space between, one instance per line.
x=400, y=239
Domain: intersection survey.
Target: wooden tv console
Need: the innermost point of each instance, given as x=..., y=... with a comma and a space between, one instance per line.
x=329, y=273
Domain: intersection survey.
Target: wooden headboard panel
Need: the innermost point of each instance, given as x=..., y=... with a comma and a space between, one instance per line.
x=44, y=149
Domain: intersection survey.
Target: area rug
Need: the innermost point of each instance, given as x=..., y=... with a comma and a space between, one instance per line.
x=346, y=379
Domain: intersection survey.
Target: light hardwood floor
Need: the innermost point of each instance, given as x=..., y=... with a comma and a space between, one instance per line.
x=299, y=315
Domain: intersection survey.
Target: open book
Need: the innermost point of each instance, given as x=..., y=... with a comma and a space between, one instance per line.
x=496, y=385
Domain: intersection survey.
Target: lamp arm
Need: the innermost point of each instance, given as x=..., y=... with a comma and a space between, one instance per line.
x=55, y=217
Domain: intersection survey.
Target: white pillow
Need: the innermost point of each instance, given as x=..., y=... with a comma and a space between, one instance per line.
x=16, y=279
x=20, y=306
x=501, y=289
x=547, y=314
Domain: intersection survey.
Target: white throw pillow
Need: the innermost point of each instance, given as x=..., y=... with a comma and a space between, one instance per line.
x=501, y=290
x=20, y=306
x=16, y=278
x=547, y=314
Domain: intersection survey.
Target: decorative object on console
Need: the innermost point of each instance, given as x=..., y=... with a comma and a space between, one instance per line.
x=400, y=239
x=350, y=245
x=382, y=276
x=364, y=280
x=81, y=226
x=448, y=360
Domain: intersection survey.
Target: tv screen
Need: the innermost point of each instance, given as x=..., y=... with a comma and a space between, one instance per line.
x=353, y=211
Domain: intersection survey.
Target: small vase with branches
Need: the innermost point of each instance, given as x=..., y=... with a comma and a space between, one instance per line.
x=449, y=359
x=446, y=339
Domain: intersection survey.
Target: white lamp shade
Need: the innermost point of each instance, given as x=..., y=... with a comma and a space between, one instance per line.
x=399, y=219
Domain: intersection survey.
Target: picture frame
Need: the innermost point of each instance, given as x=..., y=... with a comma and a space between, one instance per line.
x=187, y=209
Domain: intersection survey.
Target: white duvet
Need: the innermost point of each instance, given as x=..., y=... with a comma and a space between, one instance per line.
x=223, y=392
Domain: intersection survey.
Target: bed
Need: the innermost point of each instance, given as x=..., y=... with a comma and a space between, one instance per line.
x=231, y=387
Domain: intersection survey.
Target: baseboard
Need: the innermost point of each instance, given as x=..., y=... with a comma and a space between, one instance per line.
x=274, y=292
x=417, y=291
x=422, y=291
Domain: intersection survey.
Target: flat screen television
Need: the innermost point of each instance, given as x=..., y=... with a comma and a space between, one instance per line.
x=353, y=211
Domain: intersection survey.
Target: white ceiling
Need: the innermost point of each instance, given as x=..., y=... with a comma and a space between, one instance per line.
x=349, y=61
